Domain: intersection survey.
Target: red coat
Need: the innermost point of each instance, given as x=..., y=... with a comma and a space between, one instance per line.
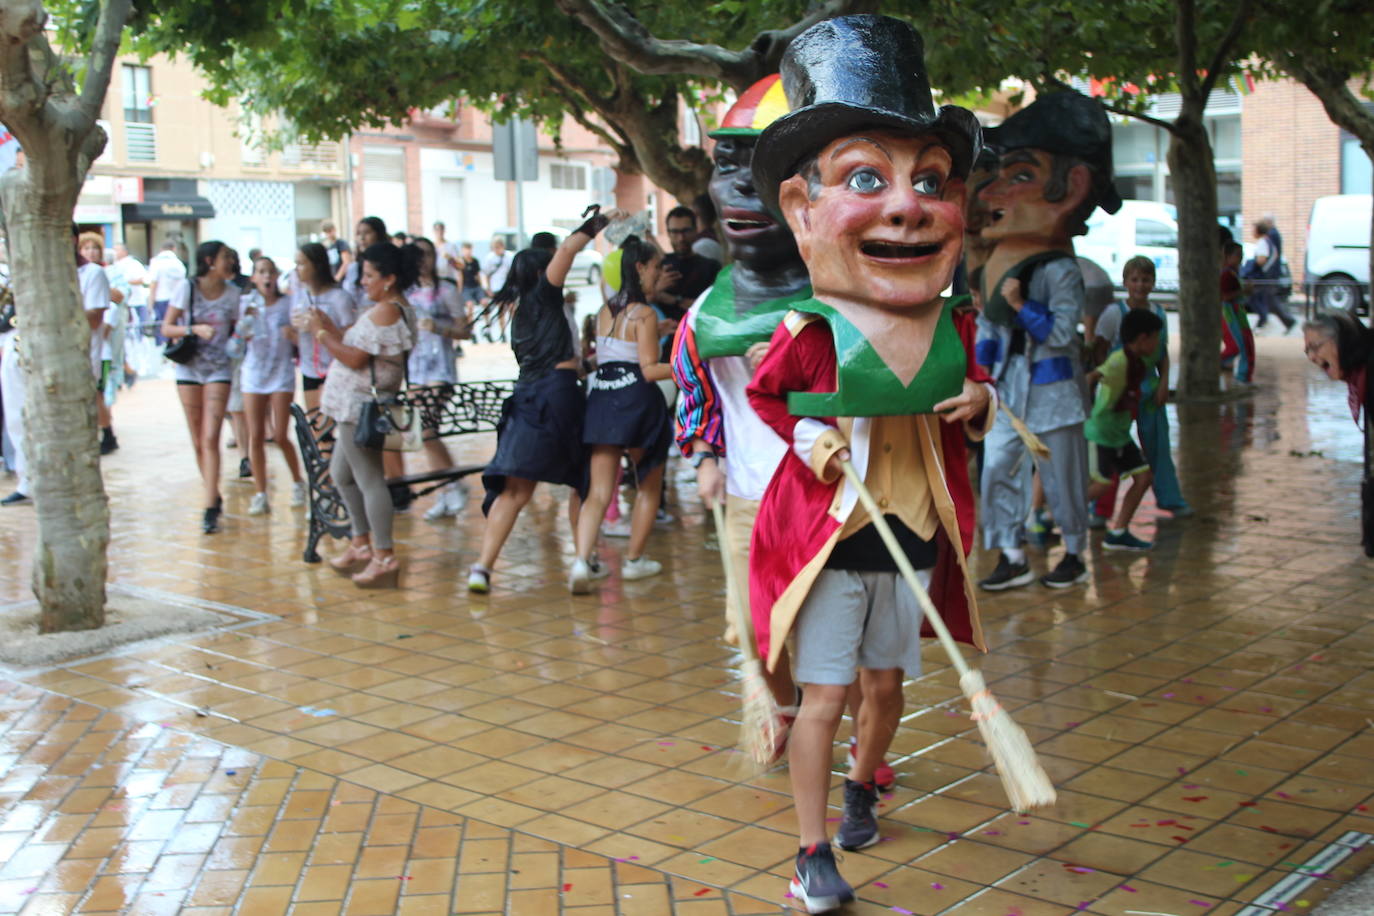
x=801, y=516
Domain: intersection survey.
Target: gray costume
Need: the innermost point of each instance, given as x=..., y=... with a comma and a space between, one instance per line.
x=1042, y=384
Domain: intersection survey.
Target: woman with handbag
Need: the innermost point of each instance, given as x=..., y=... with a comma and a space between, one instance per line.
x=209, y=303
x=368, y=368
x=268, y=380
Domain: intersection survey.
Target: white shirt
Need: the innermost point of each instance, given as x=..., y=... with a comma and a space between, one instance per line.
x=165, y=270
x=496, y=266
x=1264, y=249
x=134, y=273
x=95, y=296
x=752, y=450
x=442, y=253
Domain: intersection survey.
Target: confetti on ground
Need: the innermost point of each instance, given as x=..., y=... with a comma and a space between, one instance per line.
x=566, y=888
x=628, y=859
x=405, y=636
x=1195, y=798
x=705, y=860
x=701, y=893
x=936, y=885
x=1201, y=903
x=231, y=772
x=318, y=713
x=880, y=884
x=1128, y=889
x=904, y=912
x=1080, y=824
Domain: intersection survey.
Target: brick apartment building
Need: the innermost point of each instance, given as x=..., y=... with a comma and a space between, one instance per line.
x=1294, y=154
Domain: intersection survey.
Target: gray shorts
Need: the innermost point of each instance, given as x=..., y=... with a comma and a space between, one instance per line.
x=853, y=620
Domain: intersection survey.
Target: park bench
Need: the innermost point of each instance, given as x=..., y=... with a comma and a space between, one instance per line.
x=447, y=410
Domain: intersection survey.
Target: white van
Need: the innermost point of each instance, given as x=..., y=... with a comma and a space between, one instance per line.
x=1337, y=264
x=1140, y=227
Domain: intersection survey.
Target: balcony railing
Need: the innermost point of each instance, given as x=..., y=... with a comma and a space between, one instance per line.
x=313, y=157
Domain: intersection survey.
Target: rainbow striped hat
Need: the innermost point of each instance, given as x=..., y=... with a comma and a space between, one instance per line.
x=760, y=105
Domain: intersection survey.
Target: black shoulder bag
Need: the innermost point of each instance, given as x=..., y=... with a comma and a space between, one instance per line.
x=183, y=349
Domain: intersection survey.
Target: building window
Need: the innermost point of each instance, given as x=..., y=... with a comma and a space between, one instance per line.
x=138, y=95
x=565, y=176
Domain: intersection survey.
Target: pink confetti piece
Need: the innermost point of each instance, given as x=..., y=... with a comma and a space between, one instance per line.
x=1023, y=823
x=408, y=878
x=701, y=893
x=1167, y=696
x=936, y=885
x=880, y=884
x=887, y=839
x=1190, y=785
x=628, y=859
x=1283, y=795
x=1182, y=771
x=1202, y=903
x=1082, y=870
x=1186, y=680
x=897, y=909
x=1072, y=724
x=1128, y=889
x=992, y=833
x=788, y=894
x=667, y=743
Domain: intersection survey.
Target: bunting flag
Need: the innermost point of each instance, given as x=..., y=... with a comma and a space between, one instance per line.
x=1243, y=84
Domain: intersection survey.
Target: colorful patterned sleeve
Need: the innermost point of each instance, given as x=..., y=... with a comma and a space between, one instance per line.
x=699, y=413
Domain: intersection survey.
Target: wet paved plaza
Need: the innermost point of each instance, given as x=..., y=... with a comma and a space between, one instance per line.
x=1205, y=711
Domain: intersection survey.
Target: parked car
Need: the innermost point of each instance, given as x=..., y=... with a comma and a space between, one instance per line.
x=1140, y=227
x=1337, y=265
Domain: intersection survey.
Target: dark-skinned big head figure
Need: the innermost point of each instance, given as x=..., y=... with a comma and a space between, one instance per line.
x=757, y=240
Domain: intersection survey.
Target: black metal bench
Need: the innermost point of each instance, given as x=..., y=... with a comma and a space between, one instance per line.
x=447, y=410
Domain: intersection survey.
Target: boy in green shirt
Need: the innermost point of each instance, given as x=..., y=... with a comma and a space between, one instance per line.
x=1108, y=429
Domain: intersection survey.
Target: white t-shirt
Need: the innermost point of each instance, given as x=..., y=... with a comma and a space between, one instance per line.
x=134, y=273
x=165, y=270
x=496, y=266
x=95, y=296
x=1264, y=249
x=442, y=253
x=752, y=450
x=341, y=307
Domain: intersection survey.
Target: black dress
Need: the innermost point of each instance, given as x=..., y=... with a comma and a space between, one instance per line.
x=539, y=436
x=623, y=408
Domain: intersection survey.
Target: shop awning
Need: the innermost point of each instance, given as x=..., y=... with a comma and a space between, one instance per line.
x=175, y=209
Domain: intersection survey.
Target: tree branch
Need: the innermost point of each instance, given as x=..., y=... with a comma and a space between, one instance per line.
x=588, y=97
x=1157, y=122
x=22, y=93
x=104, y=49
x=627, y=39
x=1330, y=85
x=1222, y=54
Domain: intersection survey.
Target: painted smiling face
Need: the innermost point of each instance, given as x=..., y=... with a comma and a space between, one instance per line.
x=755, y=238
x=1015, y=200
x=879, y=220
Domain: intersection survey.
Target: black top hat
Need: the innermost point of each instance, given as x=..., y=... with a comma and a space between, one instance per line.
x=849, y=74
x=1068, y=124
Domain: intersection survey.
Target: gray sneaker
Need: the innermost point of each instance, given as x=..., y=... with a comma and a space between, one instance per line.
x=859, y=828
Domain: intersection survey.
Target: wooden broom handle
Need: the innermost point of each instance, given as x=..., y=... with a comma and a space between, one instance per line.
x=744, y=628
x=904, y=566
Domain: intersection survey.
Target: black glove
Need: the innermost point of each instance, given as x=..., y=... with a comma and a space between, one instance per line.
x=595, y=223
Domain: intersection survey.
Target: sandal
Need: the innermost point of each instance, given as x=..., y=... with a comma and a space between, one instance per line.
x=382, y=572
x=352, y=559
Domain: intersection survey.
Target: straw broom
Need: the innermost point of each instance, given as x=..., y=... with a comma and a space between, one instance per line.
x=1024, y=780
x=1034, y=443
x=759, y=724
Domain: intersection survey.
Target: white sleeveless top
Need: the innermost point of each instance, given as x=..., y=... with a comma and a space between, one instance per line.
x=611, y=349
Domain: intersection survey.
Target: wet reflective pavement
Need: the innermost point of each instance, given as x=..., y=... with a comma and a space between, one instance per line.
x=1205, y=711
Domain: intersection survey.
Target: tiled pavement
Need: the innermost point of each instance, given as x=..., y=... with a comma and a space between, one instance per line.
x=1205, y=711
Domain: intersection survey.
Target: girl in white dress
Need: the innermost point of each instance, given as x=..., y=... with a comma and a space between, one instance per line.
x=268, y=380
x=441, y=321
x=314, y=287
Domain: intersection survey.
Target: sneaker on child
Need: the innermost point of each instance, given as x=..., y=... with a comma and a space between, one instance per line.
x=1007, y=575
x=859, y=827
x=1124, y=540
x=1068, y=573
x=640, y=568
x=259, y=505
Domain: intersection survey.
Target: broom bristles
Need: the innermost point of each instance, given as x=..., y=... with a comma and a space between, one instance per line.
x=1034, y=443
x=1024, y=780
x=759, y=718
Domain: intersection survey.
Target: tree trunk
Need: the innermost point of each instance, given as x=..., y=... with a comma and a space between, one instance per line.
x=69, y=564
x=1199, y=309
x=56, y=129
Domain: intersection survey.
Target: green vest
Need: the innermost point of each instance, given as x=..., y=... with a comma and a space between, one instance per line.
x=867, y=387
x=722, y=332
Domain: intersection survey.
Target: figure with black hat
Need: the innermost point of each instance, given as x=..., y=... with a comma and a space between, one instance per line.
x=871, y=179
x=1054, y=169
